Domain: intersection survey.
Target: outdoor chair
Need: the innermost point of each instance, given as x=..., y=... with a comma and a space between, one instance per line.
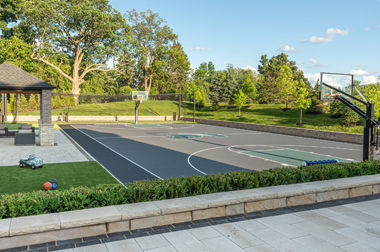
x=26, y=128
x=25, y=135
x=4, y=130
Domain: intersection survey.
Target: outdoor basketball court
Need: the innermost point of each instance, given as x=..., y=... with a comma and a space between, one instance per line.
x=148, y=151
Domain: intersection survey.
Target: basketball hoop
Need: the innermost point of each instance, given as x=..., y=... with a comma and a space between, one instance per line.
x=140, y=99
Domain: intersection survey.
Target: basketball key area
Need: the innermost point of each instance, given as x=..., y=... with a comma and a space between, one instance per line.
x=132, y=152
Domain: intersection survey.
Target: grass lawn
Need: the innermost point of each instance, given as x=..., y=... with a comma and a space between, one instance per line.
x=147, y=108
x=273, y=114
x=14, y=179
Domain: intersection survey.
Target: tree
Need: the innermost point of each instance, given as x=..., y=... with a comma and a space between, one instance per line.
x=316, y=106
x=150, y=43
x=349, y=118
x=249, y=88
x=85, y=33
x=336, y=108
x=205, y=72
x=17, y=52
x=269, y=72
x=240, y=100
x=285, y=83
x=301, y=101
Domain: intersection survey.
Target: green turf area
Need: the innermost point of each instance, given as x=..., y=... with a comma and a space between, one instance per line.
x=291, y=157
x=14, y=179
x=272, y=114
x=147, y=108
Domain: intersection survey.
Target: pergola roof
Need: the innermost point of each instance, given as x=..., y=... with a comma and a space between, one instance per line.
x=13, y=78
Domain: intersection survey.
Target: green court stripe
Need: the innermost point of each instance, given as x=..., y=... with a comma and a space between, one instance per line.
x=291, y=157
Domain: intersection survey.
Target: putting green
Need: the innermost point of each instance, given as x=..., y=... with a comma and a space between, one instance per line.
x=291, y=157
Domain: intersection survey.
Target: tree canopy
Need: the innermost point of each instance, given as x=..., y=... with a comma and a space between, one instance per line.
x=86, y=33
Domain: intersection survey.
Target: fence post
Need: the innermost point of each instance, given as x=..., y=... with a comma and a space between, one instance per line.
x=194, y=109
x=179, y=102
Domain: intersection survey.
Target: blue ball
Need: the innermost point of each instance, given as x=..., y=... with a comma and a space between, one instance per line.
x=54, y=186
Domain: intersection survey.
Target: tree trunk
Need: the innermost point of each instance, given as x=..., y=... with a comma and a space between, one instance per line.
x=286, y=102
x=239, y=111
x=301, y=117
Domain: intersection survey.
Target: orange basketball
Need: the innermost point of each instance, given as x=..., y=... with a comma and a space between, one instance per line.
x=47, y=186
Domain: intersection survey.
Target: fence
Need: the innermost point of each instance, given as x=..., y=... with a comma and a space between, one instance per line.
x=101, y=105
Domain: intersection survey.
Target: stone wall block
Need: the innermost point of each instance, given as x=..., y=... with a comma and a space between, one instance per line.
x=264, y=205
x=119, y=226
x=235, y=209
x=160, y=220
x=301, y=200
x=376, y=189
x=332, y=195
x=360, y=191
x=209, y=213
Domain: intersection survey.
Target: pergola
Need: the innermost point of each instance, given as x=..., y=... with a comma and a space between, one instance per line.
x=15, y=80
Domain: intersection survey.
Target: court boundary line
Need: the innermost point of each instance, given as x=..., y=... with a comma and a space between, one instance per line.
x=117, y=153
x=300, y=150
x=93, y=159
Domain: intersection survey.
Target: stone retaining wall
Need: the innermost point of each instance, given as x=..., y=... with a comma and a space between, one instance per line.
x=38, y=229
x=93, y=118
x=321, y=134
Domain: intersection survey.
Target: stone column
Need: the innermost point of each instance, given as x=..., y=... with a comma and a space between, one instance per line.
x=46, y=128
x=45, y=106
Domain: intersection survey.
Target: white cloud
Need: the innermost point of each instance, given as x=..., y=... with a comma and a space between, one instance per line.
x=378, y=25
x=251, y=68
x=314, y=61
x=199, y=49
x=312, y=77
x=367, y=29
x=287, y=48
x=330, y=34
x=369, y=79
x=359, y=72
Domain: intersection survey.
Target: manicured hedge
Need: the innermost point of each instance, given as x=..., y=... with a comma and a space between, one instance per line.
x=40, y=202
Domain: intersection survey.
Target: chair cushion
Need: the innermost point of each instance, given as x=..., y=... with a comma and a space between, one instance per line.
x=22, y=131
x=2, y=131
x=26, y=126
x=2, y=126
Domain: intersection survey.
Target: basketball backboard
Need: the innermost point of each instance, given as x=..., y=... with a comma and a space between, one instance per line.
x=140, y=96
x=342, y=82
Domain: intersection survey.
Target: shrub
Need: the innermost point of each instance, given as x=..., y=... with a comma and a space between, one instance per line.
x=336, y=108
x=350, y=118
x=41, y=202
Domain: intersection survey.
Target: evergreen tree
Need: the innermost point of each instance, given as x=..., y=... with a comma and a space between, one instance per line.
x=336, y=109
x=349, y=118
x=316, y=106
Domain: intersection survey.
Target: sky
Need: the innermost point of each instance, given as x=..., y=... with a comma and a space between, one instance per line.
x=339, y=36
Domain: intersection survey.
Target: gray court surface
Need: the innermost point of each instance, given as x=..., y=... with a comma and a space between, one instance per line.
x=137, y=152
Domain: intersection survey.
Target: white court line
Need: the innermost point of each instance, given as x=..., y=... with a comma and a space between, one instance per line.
x=188, y=158
x=299, y=150
x=117, y=152
x=265, y=159
x=71, y=139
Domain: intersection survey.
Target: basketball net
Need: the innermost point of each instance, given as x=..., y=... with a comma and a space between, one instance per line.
x=140, y=99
